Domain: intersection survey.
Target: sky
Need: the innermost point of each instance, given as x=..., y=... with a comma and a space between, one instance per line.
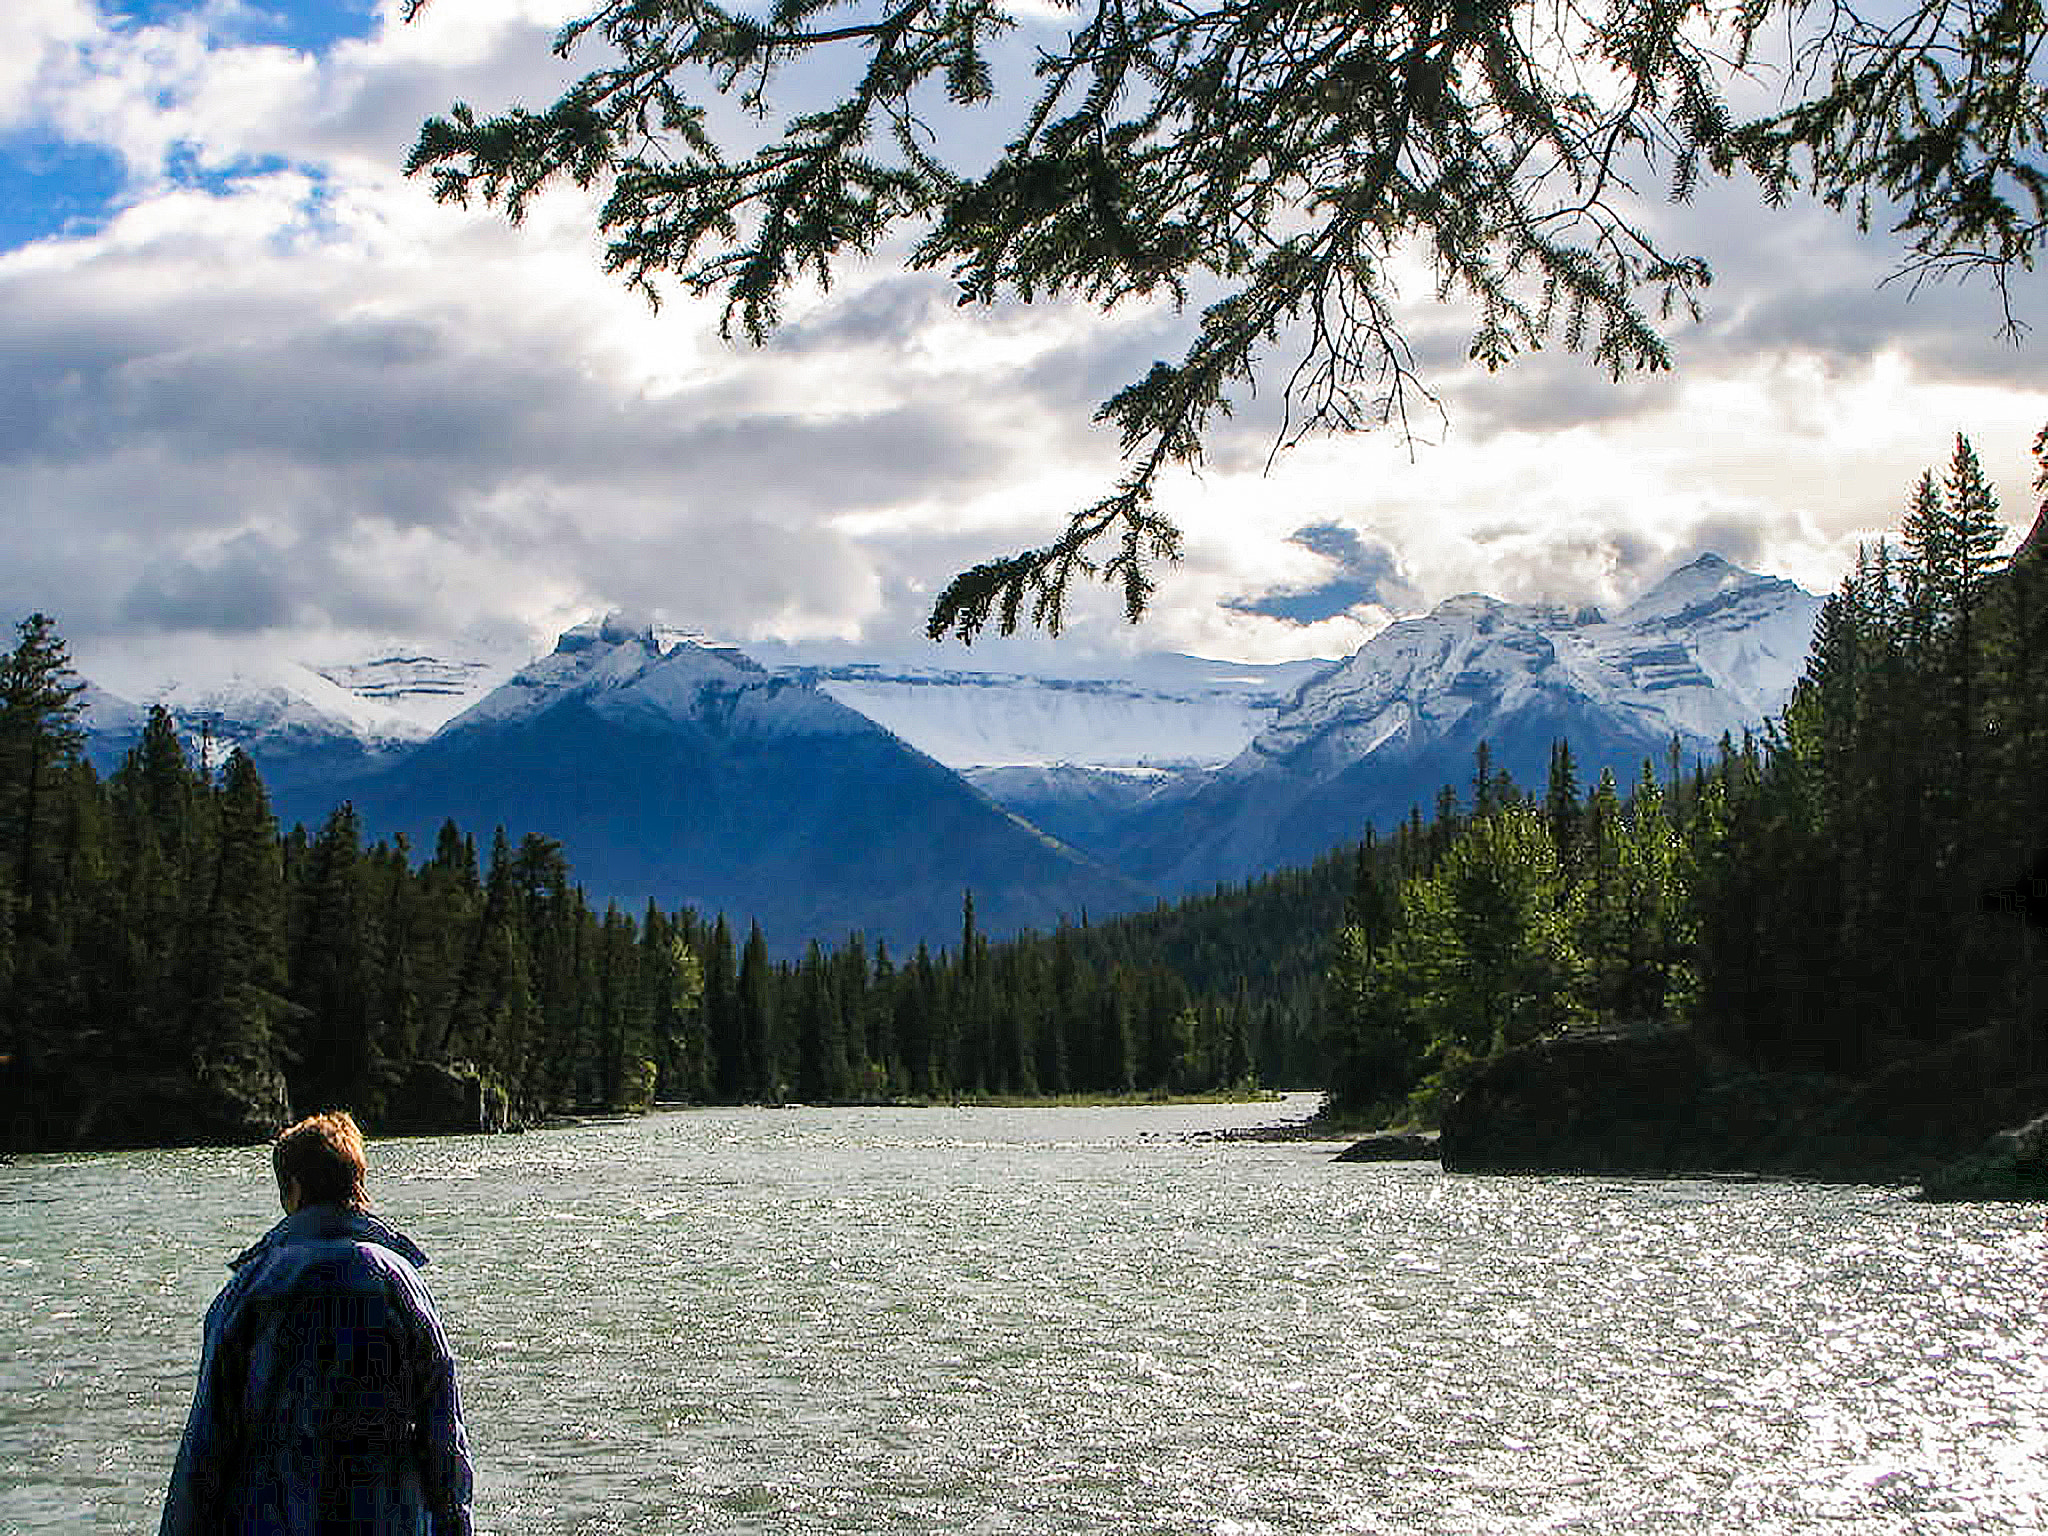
x=260, y=394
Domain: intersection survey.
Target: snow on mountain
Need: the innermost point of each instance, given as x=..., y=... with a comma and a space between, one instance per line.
x=1710, y=650
x=424, y=690
x=314, y=731
x=1089, y=808
x=677, y=770
x=112, y=725
x=1748, y=634
x=628, y=671
x=1173, y=712
x=274, y=709
x=669, y=764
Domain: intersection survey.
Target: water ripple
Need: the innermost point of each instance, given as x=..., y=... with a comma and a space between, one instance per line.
x=1061, y=1323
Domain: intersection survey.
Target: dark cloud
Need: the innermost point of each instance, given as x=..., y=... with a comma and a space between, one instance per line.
x=1794, y=281
x=1364, y=572
x=248, y=586
x=1555, y=391
x=264, y=454
x=1801, y=278
x=887, y=314
x=420, y=397
x=1075, y=377
x=1738, y=541
x=366, y=414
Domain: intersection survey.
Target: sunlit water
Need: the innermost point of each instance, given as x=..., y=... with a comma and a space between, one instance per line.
x=1082, y=1321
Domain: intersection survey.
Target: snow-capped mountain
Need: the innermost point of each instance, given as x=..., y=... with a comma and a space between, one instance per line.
x=626, y=671
x=1712, y=649
x=1080, y=755
x=683, y=772
x=1166, y=712
x=424, y=691
x=301, y=726
x=112, y=725
x=819, y=799
x=1089, y=807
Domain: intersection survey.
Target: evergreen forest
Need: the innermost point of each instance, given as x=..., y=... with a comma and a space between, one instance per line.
x=1840, y=891
x=177, y=968
x=1859, y=886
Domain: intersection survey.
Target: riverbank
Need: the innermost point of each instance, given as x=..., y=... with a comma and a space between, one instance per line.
x=1664, y=1101
x=1094, y=1100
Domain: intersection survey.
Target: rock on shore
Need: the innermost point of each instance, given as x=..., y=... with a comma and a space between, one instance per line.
x=1392, y=1147
x=2012, y=1165
x=1663, y=1101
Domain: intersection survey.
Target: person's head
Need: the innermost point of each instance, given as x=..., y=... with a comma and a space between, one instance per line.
x=320, y=1161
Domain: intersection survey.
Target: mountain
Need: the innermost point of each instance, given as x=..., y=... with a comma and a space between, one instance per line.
x=305, y=730
x=1088, y=807
x=684, y=772
x=409, y=685
x=1078, y=756
x=821, y=799
x=1711, y=649
x=1162, y=713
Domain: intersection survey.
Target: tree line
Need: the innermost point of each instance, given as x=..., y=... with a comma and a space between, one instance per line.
x=159, y=929
x=1813, y=899
x=1823, y=897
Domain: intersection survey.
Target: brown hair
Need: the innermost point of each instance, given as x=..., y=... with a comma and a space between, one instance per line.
x=325, y=1154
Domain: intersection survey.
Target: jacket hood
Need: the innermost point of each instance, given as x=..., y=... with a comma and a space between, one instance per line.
x=333, y=1223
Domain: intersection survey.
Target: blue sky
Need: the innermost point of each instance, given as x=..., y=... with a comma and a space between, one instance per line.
x=59, y=184
x=49, y=187
x=265, y=393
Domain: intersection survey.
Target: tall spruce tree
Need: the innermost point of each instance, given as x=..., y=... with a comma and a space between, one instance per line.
x=761, y=1048
x=241, y=1007
x=333, y=971
x=153, y=943
x=40, y=739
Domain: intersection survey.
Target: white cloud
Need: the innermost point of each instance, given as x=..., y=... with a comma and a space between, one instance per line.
x=294, y=396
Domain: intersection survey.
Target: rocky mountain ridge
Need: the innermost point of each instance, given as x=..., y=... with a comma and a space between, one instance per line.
x=679, y=769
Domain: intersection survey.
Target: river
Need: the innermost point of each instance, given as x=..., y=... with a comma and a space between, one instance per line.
x=1078, y=1321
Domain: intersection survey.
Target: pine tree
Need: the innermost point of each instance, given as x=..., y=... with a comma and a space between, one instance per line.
x=673, y=978
x=888, y=1074
x=916, y=1020
x=1561, y=811
x=1116, y=1030
x=1484, y=949
x=1973, y=534
x=333, y=975
x=757, y=1017
x=241, y=1008
x=153, y=943
x=40, y=738
x=623, y=1016
x=1373, y=905
x=823, y=1075
x=723, y=1019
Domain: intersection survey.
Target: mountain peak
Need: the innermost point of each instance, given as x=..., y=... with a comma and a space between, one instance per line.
x=656, y=640
x=611, y=629
x=1707, y=578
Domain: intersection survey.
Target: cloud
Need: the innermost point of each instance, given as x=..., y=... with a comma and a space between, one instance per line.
x=1361, y=573
x=271, y=389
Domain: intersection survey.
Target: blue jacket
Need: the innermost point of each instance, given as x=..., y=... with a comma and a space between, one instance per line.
x=326, y=1402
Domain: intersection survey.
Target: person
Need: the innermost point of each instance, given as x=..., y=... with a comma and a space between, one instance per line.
x=326, y=1403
